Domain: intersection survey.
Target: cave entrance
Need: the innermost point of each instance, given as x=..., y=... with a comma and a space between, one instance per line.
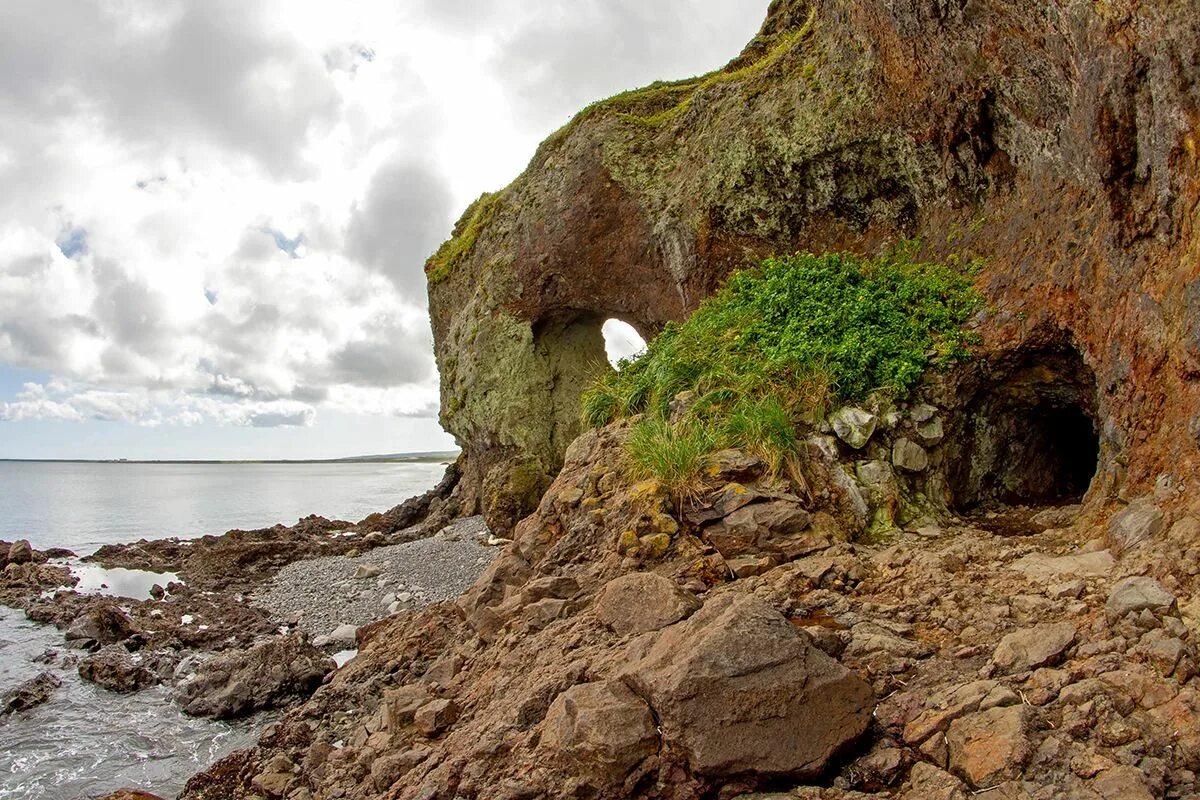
x=621, y=341
x=1029, y=435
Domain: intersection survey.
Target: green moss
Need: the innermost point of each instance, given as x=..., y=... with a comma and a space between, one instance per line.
x=775, y=344
x=462, y=242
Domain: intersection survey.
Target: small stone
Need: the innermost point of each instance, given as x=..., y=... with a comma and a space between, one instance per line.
x=641, y=602
x=909, y=456
x=31, y=693
x=922, y=412
x=1068, y=589
x=991, y=746
x=854, y=426
x=367, y=571
x=1030, y=648
x=344, y=634
x=931, y=432
x=435, y=716
x=1135, y=594
x=655, y=546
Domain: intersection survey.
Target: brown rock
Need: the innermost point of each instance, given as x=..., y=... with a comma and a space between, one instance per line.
x=435, y=716
x=1136, y=523
x=601, y=730
x=20, y=552
x=757, y=527
x=115, y=669
x=130, y=794
x=101, y=624
x=642, y=601
x=738, y=690
x=927, y=782
x=1122, y=783
x=1030, y=648
x=990, y=746
x=31, y=693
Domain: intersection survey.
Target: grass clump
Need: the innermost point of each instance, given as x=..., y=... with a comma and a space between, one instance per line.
x=780, y=342
x=462, y=241
x=675, y=455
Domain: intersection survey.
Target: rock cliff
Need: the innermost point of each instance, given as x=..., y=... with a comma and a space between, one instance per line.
x=1060, y=142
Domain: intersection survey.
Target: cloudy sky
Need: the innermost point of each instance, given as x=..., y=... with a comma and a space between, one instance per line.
x=214, y=213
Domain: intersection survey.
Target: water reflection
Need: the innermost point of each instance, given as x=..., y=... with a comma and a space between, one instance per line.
x=134, y=584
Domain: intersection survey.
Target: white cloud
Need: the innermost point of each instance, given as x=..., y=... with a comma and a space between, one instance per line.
x=218, y=211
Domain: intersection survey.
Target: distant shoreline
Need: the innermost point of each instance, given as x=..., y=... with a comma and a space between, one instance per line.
x=391, y=458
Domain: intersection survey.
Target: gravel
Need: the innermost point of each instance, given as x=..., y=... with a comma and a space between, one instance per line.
x=322, y=594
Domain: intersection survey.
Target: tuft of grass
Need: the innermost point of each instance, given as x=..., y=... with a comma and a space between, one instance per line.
x=461, y=243
x=675, y=455
x=781, y=342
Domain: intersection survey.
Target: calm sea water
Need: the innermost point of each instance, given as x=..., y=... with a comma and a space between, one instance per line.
x=81, y=506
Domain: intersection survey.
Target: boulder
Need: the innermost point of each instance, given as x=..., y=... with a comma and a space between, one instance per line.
x=990, y=746
x=116, y=669
x=931, y=431
x=1138, y=593
x=758, y=527
x=737, y=690
x=31, y=693
x=130, y=794
x=1122, y=783
x=1040, y=566
x=101, y=624
x=1030, y=648
x=435, y=716
x=642, y=601
x=854, y=426
x=273, y=674
x=20, y=552
x=1139, y=521
x=601, y=731
x=909, y=456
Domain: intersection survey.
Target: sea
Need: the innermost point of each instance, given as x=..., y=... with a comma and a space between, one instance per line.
x=86, y=741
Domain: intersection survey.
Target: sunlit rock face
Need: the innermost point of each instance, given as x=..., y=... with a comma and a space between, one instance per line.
x=1061, y=144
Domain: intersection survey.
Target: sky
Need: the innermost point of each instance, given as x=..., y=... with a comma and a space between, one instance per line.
x=215, y=213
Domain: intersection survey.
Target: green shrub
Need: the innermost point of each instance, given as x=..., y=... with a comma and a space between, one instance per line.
x=780, y=342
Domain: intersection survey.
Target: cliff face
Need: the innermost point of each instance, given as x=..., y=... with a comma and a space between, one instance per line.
x=1060, y=142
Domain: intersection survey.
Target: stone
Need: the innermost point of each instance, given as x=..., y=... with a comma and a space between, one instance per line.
x=31, y=693
x=130, y=794
x=1122, y=783
x=1140, y=521
x=738, y=691
x=749, y=566
x=931, y=431
x=722, y=503
x=102, y=624
x=1072, y=589
x=365, y=571
x=927, y=782
x=344, y=634
x=1139, y=593
x=1042, y=567
x=114, y=668
x=991, y=746
x=909, y=456
x=390, y=768
x=641, y=602
x=1059, y=517
x=946, y=706
x=1030, y=648
x=275, y=673
x=435, y=716
x=600, y=731
x=854, y=426
x=20, y=552
x=758, y=527
x=922, y=412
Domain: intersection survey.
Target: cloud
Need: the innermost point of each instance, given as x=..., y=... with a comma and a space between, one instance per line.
x=404, y=217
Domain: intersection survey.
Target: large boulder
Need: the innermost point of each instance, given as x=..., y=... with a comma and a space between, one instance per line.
x=31, y=693
x=642, y=601
x=116, y=669
x=601, y=731
x=100, y=625
x=1138, y=593
x=1136, y=523
x=272, y=674
x=20, y=552
x=737, y=690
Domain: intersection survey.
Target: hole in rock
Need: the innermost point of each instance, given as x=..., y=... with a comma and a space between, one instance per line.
x=1029, y=434
x=621, y=341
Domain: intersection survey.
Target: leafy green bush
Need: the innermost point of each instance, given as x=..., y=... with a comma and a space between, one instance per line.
x=780, y=341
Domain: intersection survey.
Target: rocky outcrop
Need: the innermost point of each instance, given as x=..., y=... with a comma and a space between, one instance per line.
x=31, y=693
x=1059, y=144
x=116, y=669
x=273, y=674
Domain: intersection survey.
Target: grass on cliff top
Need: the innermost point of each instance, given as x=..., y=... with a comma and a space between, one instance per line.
x=461, y=243
x=776, y=346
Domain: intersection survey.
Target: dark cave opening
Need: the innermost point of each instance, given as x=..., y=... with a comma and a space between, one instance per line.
x=1029, y=434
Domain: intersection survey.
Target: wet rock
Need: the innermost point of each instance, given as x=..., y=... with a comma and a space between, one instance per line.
x=273, y=674
x=739, y=691
x=1030, y=648
x=1139, y=521
x=854, y=426
x=990, y=746
x=101, y=624
x=909, y=456
x=31, y=693
x=116, y=669
x=642, y=601
x=600, y=731
x=435, y=716
x=20, y=552
x=130, y=794
x=1139, y=593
